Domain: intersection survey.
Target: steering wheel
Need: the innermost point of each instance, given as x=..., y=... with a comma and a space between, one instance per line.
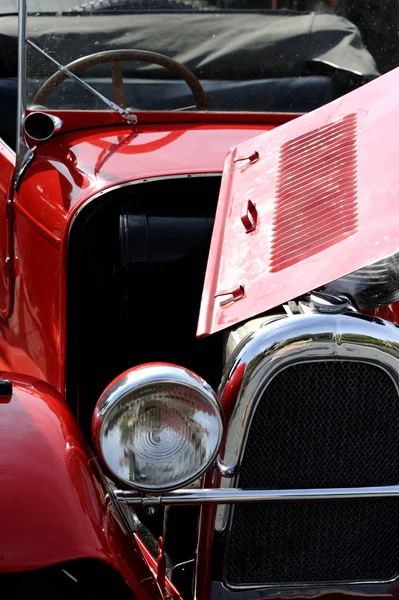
x=115, y=57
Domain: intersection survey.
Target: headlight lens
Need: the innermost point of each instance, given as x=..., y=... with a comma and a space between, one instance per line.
x=157, y=427
x=372, y=286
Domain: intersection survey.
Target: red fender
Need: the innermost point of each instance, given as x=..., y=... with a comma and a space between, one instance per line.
x=54, y=507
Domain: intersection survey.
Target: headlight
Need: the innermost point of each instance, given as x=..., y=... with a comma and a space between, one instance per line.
x=157, y=427
x=372, y=286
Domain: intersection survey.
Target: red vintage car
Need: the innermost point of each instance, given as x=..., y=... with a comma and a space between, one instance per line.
x=199, y=303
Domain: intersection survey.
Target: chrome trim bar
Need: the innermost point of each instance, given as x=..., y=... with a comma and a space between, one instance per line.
x=20, y=147
x=237, y=496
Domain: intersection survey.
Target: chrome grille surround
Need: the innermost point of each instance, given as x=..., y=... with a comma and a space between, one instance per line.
x=266, y=353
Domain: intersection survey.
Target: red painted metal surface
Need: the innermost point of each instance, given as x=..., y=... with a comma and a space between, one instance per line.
x=70, y=168
x=83, y=120
x=323, y=163
x=42, y=452
x=7, y=168
x=66, y=173
x=203, y=576
x=340, y=220
x=154, y=566
x=54, y=507
x=206, y=528
x=389, y=312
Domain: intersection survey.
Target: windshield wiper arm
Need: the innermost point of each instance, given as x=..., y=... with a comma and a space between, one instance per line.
x=125, y=114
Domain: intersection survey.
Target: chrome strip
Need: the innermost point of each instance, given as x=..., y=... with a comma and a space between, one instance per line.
x=22, y=10
x=203, y=496
x=371, y=589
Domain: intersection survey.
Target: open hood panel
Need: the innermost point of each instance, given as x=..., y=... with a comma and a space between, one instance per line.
x=305, y=204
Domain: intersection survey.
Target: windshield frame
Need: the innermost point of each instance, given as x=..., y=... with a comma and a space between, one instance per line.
x=23, y=153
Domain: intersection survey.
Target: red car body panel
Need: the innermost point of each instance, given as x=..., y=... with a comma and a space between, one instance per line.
x=78, y=165
x=45, y=457
x=53, y=466
x=67, y=171
x=74, y=120
x=7, y=167
x=47, y=466
x=293, y=248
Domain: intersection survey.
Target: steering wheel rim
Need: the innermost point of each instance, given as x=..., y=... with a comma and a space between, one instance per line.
x=124, y=55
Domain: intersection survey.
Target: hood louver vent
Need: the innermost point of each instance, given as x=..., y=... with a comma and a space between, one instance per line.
x=316, y=193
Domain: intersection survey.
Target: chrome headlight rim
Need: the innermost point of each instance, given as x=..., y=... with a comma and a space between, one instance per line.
x=136, y=380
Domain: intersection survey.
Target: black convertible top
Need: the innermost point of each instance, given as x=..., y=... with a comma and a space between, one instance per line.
x=215, y=45
x=11, y=6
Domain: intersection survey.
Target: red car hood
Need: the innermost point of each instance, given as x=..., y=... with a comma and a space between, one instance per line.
x=305, y=204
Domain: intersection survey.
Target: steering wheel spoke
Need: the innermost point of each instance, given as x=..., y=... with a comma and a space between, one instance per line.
x=118, y=91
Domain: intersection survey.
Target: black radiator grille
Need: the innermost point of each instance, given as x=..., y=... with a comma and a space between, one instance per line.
x=337, y=540
x=324, y=424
